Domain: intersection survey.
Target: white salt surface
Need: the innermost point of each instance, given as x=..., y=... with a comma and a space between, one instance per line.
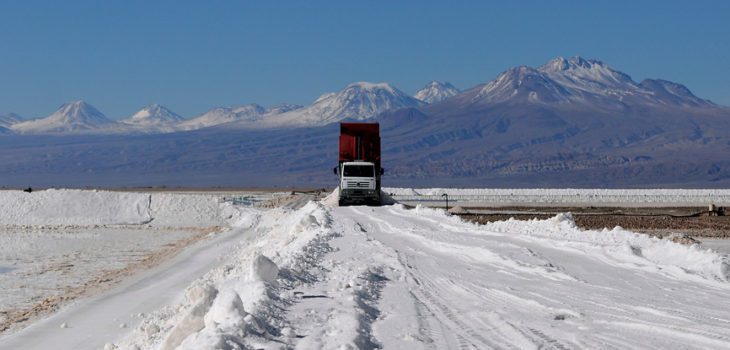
x=56, y=240
x=73, y=207
x=323, y=277
x=46, y=262
x=388, y=277
x=718, y=244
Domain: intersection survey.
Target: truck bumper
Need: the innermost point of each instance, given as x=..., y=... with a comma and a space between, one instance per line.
x=359, y=196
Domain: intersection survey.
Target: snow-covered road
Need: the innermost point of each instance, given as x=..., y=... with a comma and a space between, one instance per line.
x=396, y=278
x=543, y=284
x=325, y=277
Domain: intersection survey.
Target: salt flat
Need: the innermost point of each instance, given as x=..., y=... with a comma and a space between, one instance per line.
x=313, y=275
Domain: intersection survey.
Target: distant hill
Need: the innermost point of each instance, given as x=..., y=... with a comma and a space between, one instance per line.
x=70, y=117
x=436, y=91
x=572, y=122
x=154, y=118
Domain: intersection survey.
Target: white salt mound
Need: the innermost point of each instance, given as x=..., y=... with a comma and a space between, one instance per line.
x=193, y=321
x=457, y=210
x=332, y=199
x=264, y=269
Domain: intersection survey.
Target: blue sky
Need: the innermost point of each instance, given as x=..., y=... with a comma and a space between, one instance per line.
x=193, y=55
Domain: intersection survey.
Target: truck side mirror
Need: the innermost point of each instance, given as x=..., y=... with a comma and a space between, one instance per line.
x=334, y=170
x=382, y=171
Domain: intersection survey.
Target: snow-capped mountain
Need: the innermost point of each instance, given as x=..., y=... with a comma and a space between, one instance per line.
x=77, y=116
x=282, y=108
x=223, y=115
x=590, y=75
x=357, y=101
x=522, y=84
x=6, y=120
x=436, y=91
x=673, y=93
x=579, y=81
x=154, y=117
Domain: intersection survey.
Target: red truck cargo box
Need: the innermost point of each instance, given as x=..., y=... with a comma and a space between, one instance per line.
x=360, y=141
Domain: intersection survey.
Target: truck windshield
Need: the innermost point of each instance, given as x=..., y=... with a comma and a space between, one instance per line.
x=358, y=171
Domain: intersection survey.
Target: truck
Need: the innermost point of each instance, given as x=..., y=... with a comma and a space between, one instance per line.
x=359, y=167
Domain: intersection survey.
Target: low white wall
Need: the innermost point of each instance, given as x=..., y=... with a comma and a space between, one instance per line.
x=90, y=207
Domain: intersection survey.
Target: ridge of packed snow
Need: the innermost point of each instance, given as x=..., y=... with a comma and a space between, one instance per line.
x=236, y=303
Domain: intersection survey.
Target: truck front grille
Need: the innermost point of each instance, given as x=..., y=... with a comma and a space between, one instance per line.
x=355, y=184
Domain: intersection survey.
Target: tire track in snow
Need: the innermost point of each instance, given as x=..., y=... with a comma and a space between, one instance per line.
x=431, y=294
x=595, y=309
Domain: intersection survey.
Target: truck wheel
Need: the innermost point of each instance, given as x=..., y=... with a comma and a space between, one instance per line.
x=341, y=203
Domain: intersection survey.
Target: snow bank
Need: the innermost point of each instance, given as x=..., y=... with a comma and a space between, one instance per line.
x=622, y=247
x=234, y=305
x=91, y=207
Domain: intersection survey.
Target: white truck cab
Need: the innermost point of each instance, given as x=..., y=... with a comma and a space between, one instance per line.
x=358, y=183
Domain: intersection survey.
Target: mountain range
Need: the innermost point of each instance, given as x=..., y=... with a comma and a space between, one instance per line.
x=357, y=101
x=572, y=122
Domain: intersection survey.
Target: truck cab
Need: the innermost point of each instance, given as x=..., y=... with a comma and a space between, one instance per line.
x=358, y=183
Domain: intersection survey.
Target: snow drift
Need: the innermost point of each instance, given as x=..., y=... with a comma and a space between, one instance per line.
x=617, y=246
